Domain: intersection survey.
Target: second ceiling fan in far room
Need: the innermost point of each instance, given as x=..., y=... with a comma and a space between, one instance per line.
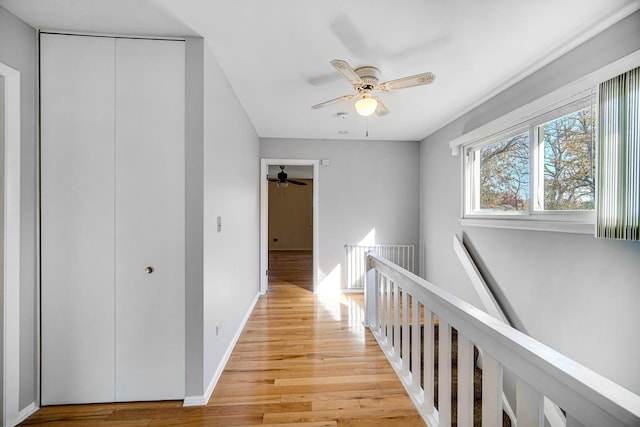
x=282, y=181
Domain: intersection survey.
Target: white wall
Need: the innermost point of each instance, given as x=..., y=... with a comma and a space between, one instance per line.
x=231, y=191
x=369, y=185
x=18, y=51
x=575, y=293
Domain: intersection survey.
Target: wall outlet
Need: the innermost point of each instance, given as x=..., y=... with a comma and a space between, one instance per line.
x=219, y=224
x=219, y=328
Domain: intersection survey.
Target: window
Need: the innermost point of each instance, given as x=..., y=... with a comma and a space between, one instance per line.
x=540, y=170
x=568, y=163
x=501, y=170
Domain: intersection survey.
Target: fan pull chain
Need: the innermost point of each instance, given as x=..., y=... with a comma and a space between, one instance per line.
x=367, y=128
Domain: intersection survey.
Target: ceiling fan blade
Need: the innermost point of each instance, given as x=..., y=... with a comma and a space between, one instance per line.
x=347, y=32
x=296, y=182
x=345, y=69
x=427, y=48
x=405, y=82
x=381, y=110
x=324, y=79
x=333, y=101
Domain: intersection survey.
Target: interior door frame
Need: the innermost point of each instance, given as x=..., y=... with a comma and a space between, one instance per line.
x=11, y=297
x=264, y=216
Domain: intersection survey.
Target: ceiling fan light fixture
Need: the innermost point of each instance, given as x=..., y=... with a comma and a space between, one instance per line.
x=364, y=81
x=366, y=105
x=282, y=184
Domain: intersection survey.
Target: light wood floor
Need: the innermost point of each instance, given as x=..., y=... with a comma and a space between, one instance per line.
x=302, y=360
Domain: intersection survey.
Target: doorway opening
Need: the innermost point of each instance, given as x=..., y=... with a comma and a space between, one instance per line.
x=289, y=218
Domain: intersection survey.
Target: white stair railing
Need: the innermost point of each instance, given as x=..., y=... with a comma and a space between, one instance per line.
x=355, y=262
x=401, y=312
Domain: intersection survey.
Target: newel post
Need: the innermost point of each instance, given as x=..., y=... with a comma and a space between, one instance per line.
x=370, y=294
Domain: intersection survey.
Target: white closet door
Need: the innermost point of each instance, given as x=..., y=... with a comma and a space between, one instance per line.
x=150, y=200
x=77, y=237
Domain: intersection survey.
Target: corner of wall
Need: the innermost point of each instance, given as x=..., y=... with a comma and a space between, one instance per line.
x=194, y=215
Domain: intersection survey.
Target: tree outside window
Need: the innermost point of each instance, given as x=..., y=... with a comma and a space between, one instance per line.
x=504, y=175
x=569, y=164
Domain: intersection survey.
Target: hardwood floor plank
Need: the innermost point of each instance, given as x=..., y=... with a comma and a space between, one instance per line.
x=246, y=400
x=81, y=413
x=343, y=395
x=404, y=421
x=344, y=379
x=95, y=423
x=305, y=370
x=210, y=411
x=336, y=404
x=209, y=421
x=241, y=389
x=391, y=415
x=310, y=424
x=397, y=402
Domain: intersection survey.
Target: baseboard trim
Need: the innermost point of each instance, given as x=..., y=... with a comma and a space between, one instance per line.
x=204, y=399
x=26, y=412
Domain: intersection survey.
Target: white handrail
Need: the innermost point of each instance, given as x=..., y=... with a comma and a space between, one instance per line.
x=588, y=398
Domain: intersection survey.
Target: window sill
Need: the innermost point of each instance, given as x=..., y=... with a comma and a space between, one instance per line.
x=531, y=224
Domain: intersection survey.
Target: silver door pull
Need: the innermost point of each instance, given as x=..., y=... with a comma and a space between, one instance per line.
x=149, y=270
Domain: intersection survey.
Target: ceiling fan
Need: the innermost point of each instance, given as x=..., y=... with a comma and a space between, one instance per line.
x=365, y=81
x=282, y=181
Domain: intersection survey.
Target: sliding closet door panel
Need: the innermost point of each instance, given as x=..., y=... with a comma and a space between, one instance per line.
x=77, y=240
x=150, y=200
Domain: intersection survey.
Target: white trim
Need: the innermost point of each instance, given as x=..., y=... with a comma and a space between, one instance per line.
x=25, y=413
x=112, y=35
x=204, y=399
x=11, y=333
x=197, y=400
x=264, y=219
x=529, y=224
x=566, y=94
x=483, y=291
x=38, y=349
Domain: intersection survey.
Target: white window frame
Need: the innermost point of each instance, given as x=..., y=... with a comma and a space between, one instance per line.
x=554, y=221
x=471, y=170
x=534, y=218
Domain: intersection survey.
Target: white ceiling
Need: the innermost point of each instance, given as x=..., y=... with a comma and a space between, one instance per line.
x=276, y=53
